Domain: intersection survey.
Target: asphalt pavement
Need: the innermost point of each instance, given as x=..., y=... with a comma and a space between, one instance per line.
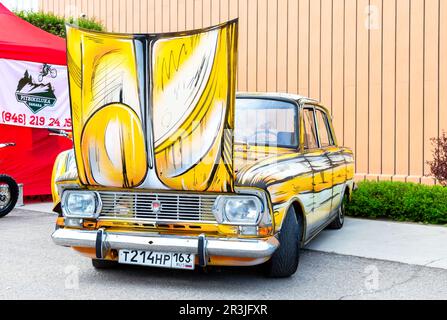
x=32, y=267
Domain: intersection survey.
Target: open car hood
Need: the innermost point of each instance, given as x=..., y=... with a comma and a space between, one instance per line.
x=154, y=111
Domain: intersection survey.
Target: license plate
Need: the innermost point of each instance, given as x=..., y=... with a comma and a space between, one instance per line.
x=157, y=259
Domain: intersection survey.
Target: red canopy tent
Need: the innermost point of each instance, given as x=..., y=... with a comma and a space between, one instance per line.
x=20, y=40
x=30, y=162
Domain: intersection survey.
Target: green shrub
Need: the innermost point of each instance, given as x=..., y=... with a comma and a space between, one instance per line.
x=56, y=25
x=400, y=201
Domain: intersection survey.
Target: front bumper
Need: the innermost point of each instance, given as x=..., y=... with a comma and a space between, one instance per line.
x=202, y=246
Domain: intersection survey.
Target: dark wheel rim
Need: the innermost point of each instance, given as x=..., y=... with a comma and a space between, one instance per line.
x=5, y=196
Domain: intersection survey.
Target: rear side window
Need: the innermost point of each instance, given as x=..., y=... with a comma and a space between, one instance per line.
x=324, y=131
x=310, y=132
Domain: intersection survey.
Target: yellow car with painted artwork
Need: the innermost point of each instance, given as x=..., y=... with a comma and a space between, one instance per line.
x=170, y=168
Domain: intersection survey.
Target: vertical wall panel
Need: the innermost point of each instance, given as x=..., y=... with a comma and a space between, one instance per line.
x=206, y=11
x=362, y=88
x=174, y=15
x=375, y=89
x=303, y=47
x=314, y=50
x=416, y=136
x=325, y=54
x=189, y=14
x=234, y=11
x=350, y=73
x=109, y=14
x=122, y=16
x=252, y=42
x=402, y=88
x=198, y=14
x=116, y=15
x=181, y=14
x=443, y=68
x=101, y=15
x=282, y=46
x=166, y=16
x=262, y=46
x=242, y=45
x=389, y=89
x=430, y=78
x=292, y=46
x=337, y=69
x=43, y=5
x=380, y=66
x=158, y=15
x=56, y=8
x=144, y=25
x=215, y=11
x=224, y=10
x=84, y=6
x=271, y=44
x=131, y=15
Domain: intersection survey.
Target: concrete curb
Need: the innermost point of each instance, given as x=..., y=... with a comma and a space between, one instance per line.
x=424, y=245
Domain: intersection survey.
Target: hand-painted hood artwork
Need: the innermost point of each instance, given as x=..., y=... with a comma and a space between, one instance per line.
x=154, y=110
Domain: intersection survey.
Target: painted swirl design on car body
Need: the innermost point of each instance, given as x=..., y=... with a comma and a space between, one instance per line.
x=153, y=111
x=315, y=180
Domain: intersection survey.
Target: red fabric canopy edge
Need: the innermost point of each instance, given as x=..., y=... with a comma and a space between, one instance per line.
x=20, y=40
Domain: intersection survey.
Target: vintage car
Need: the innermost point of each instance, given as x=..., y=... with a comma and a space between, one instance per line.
x=170, y=168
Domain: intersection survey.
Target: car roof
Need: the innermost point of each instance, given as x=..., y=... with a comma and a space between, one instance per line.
x=281, y=95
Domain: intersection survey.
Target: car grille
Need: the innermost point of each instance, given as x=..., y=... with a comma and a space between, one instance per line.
x=172, y=207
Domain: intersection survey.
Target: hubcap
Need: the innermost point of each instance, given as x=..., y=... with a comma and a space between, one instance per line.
x=5, y=196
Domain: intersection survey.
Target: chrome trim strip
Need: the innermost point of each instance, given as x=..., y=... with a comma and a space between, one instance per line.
x=152, y=221
x=227, y=247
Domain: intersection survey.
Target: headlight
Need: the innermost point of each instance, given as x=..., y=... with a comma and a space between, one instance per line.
x=238, y=209
x=80, y=204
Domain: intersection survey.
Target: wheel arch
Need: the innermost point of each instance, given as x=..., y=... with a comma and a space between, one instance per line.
x=299, y=211
x=348, y=190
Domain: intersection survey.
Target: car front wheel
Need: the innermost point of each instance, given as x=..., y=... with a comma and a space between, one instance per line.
x=284, y=262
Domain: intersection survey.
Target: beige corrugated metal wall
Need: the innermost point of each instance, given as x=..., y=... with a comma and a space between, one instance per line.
x=380, y=66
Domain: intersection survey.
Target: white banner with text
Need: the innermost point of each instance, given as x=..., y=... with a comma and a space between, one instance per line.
x=34, y=95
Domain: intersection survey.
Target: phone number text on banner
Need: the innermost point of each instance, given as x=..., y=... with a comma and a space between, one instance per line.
x=34, y=95
x=22, y=119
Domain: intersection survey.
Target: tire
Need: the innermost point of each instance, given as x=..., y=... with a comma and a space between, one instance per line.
x=284, y=262
x=339, y=220
x=53, y=73
x=104, y=264
x=8, y=201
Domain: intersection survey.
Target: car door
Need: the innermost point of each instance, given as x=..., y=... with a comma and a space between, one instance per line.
x=322, y=171
x=328, y=144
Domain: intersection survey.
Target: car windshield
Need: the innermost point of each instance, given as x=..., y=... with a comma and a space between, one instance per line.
x=266, y=122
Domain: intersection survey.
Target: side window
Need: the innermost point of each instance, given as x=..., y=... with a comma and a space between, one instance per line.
x=266, y=122
x=323, y=129
x=310, y=133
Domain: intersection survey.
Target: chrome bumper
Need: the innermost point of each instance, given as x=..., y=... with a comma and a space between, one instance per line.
x=104, y=241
